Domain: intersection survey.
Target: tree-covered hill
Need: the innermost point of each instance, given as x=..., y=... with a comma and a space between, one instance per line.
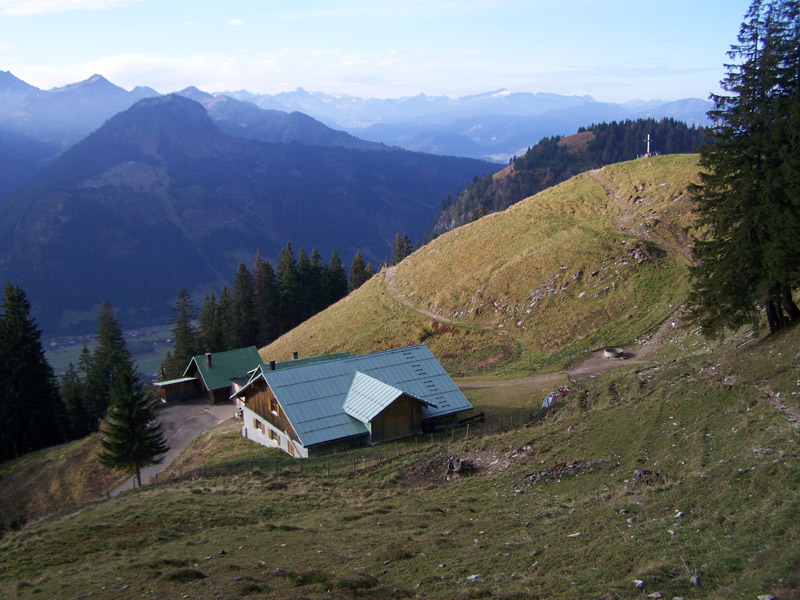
x=159, y=197
x=556, y=159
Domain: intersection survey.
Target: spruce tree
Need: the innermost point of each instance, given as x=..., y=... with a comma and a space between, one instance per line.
x=360, y=272
x=265, y=292
x=336, y=285
x=243, y=318
x=78, y=422
x=30, y=405
x=131, y=436
x=748, y=255
x=184, y=337
x=110, y=352
x=287, y=289
x=209, y=336
x=315, y=283
x=225, y=319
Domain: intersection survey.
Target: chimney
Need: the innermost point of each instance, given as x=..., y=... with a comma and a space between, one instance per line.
x=272, y=365
x=294, y=355
x=208, y=358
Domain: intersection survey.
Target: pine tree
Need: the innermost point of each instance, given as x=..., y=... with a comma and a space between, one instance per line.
x=749, y=253
x=360, y=272
x=78, y=422
x=110, y=352
x=287, y=289
x=209, y=336
x=184, y=337
x=30, y=405
x=131, y=436
x=244, y=327
x=401, y=248
x=315, y=284
x=265, y=291
x=225, y=320
x=337, y=285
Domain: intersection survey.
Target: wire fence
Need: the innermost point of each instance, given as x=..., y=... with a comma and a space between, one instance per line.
x=360, y=460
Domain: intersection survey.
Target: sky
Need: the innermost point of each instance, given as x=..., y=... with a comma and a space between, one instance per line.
x=612, y=50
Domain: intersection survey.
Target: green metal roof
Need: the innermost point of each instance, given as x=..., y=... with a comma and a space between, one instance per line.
x=313, y=396
x=299, y=362
x=225, y=366
x=368, y=397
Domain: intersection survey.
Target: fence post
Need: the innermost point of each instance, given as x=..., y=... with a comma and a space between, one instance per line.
x=251, y=468
x=354, y=465
x=452, y=434
x=466, y=436
x=276, y=466
x=327, y=468
x=431, y=439
x=378, y=450
x=396, y=449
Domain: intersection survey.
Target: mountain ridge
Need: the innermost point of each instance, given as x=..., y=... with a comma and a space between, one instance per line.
x=159, y=197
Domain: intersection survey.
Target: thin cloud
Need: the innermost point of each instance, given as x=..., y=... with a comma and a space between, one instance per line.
x=236, y=22
x=25, y=8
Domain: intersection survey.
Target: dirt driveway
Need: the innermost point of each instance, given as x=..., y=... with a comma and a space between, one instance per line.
x=182, y=422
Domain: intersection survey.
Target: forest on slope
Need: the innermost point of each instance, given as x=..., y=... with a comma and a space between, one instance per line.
x=556, y=159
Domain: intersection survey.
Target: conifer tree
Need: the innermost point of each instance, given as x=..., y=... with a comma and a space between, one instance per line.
x=209, y=337
x=78, y=422
x=749, y=253
x=110, y=352
x=287, y=289
x=243, y=320
x=30, y=404
x=315, y=283
x=265, y=292
x=400, y=249
x=225, y=320
x=131, y=437
x=184, y=337
x=360, y=272
x=337, y=285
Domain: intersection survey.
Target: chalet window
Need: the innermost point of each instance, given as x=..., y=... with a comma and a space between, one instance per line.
x=273, y=406
x=258, y=425
x=272, y=436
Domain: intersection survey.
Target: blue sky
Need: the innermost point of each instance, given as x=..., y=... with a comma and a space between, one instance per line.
x=613, y=50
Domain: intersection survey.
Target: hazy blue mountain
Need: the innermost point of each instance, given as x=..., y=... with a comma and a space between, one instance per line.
x=64, y=115
x=494, y=125
x=21, y=158
x=159, y=197
x=244, y=119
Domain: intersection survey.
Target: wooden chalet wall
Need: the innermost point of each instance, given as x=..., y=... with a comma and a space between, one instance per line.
x=185, y=390
x=262, y=402
x=401, y=418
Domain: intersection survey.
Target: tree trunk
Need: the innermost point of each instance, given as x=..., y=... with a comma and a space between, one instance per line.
x=139, y=477
x=789, y=307
x=774, y=313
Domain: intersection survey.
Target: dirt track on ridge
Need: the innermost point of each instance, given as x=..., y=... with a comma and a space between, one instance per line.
x=595, y=363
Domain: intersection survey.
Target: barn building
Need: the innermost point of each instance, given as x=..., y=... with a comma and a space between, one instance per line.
x=214, y=376
x=313, y=406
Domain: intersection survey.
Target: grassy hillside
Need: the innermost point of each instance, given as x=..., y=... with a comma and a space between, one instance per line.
x=541, y=517
x=680, y=473
x=53, y=479
x=594, y=261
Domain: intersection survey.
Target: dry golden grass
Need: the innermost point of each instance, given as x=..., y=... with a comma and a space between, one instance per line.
x=536, y=285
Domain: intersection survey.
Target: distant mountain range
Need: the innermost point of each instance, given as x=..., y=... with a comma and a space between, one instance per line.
x=126, y=195
x=159, y=197
x=495, y=125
